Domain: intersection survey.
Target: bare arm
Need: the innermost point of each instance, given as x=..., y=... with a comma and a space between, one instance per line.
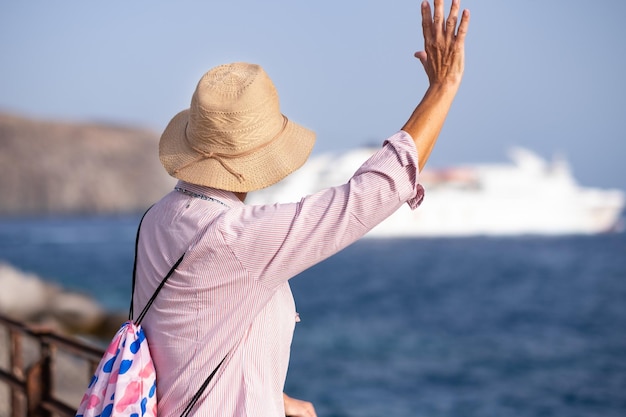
x=443, y=61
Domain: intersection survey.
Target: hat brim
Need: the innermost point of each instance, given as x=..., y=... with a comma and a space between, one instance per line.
x=260, y=169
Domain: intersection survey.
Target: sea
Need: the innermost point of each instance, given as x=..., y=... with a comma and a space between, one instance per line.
x=525, y=326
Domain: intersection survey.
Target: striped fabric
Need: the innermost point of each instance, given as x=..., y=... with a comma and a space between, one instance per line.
x=230, y=296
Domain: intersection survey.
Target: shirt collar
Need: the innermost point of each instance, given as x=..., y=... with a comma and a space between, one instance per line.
x=227, y=197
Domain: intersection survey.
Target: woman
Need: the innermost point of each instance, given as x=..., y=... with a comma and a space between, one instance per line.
x=228, y=307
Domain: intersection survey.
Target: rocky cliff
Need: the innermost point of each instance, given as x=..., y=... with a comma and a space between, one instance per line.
x=70, y=168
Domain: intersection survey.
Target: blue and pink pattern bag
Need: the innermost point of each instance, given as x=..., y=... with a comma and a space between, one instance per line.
x=124, y=383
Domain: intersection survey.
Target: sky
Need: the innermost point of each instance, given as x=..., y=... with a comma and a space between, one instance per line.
x=544, y=75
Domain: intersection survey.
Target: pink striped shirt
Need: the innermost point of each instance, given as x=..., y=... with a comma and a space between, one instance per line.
x=230, y=296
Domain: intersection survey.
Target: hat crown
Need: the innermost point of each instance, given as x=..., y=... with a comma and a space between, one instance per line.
x=235, y=108
x=233, y=136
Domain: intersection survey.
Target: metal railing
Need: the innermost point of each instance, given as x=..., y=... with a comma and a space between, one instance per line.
x=42, y=374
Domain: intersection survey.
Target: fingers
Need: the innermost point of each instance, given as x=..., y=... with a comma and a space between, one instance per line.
x=435, y=25
x=465, y=19
x=427, y=22
x=298, y=408
x=452, y=19
x=438, y=17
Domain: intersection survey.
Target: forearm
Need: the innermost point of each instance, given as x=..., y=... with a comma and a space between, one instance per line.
x=428, y=118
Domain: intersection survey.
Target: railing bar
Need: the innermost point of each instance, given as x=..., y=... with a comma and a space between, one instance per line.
x=74, y=346
x=12, y=324
x=58, y=407
x=13, y=381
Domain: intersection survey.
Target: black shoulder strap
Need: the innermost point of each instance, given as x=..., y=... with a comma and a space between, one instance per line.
x=132, y=291
x=205, y=384
x=156, y=292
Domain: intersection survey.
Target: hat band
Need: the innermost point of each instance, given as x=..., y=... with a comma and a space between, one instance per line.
x=220, y=157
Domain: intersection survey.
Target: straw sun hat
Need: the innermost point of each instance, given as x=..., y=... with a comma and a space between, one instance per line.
x=233, y=136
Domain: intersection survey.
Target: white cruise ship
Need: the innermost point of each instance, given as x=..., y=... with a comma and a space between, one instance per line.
x=526, y=196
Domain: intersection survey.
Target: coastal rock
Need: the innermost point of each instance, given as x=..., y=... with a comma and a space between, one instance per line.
x=77, y=168
x=23, y=295
x=77, y=312
x=27, y=298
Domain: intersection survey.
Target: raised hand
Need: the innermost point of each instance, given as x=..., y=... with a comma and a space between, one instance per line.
x=443, y=57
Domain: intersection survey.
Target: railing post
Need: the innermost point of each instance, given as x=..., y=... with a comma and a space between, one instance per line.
x=39, y=381
x=17, y=370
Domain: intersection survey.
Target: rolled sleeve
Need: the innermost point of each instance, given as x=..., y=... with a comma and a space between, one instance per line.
x=407, y=156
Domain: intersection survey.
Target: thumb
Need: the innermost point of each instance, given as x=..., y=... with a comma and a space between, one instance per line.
x=421, y=55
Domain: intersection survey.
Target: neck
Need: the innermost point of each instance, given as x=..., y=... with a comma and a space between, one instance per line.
x=241, y=196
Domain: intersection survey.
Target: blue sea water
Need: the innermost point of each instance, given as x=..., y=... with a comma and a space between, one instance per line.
x=517, y=326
